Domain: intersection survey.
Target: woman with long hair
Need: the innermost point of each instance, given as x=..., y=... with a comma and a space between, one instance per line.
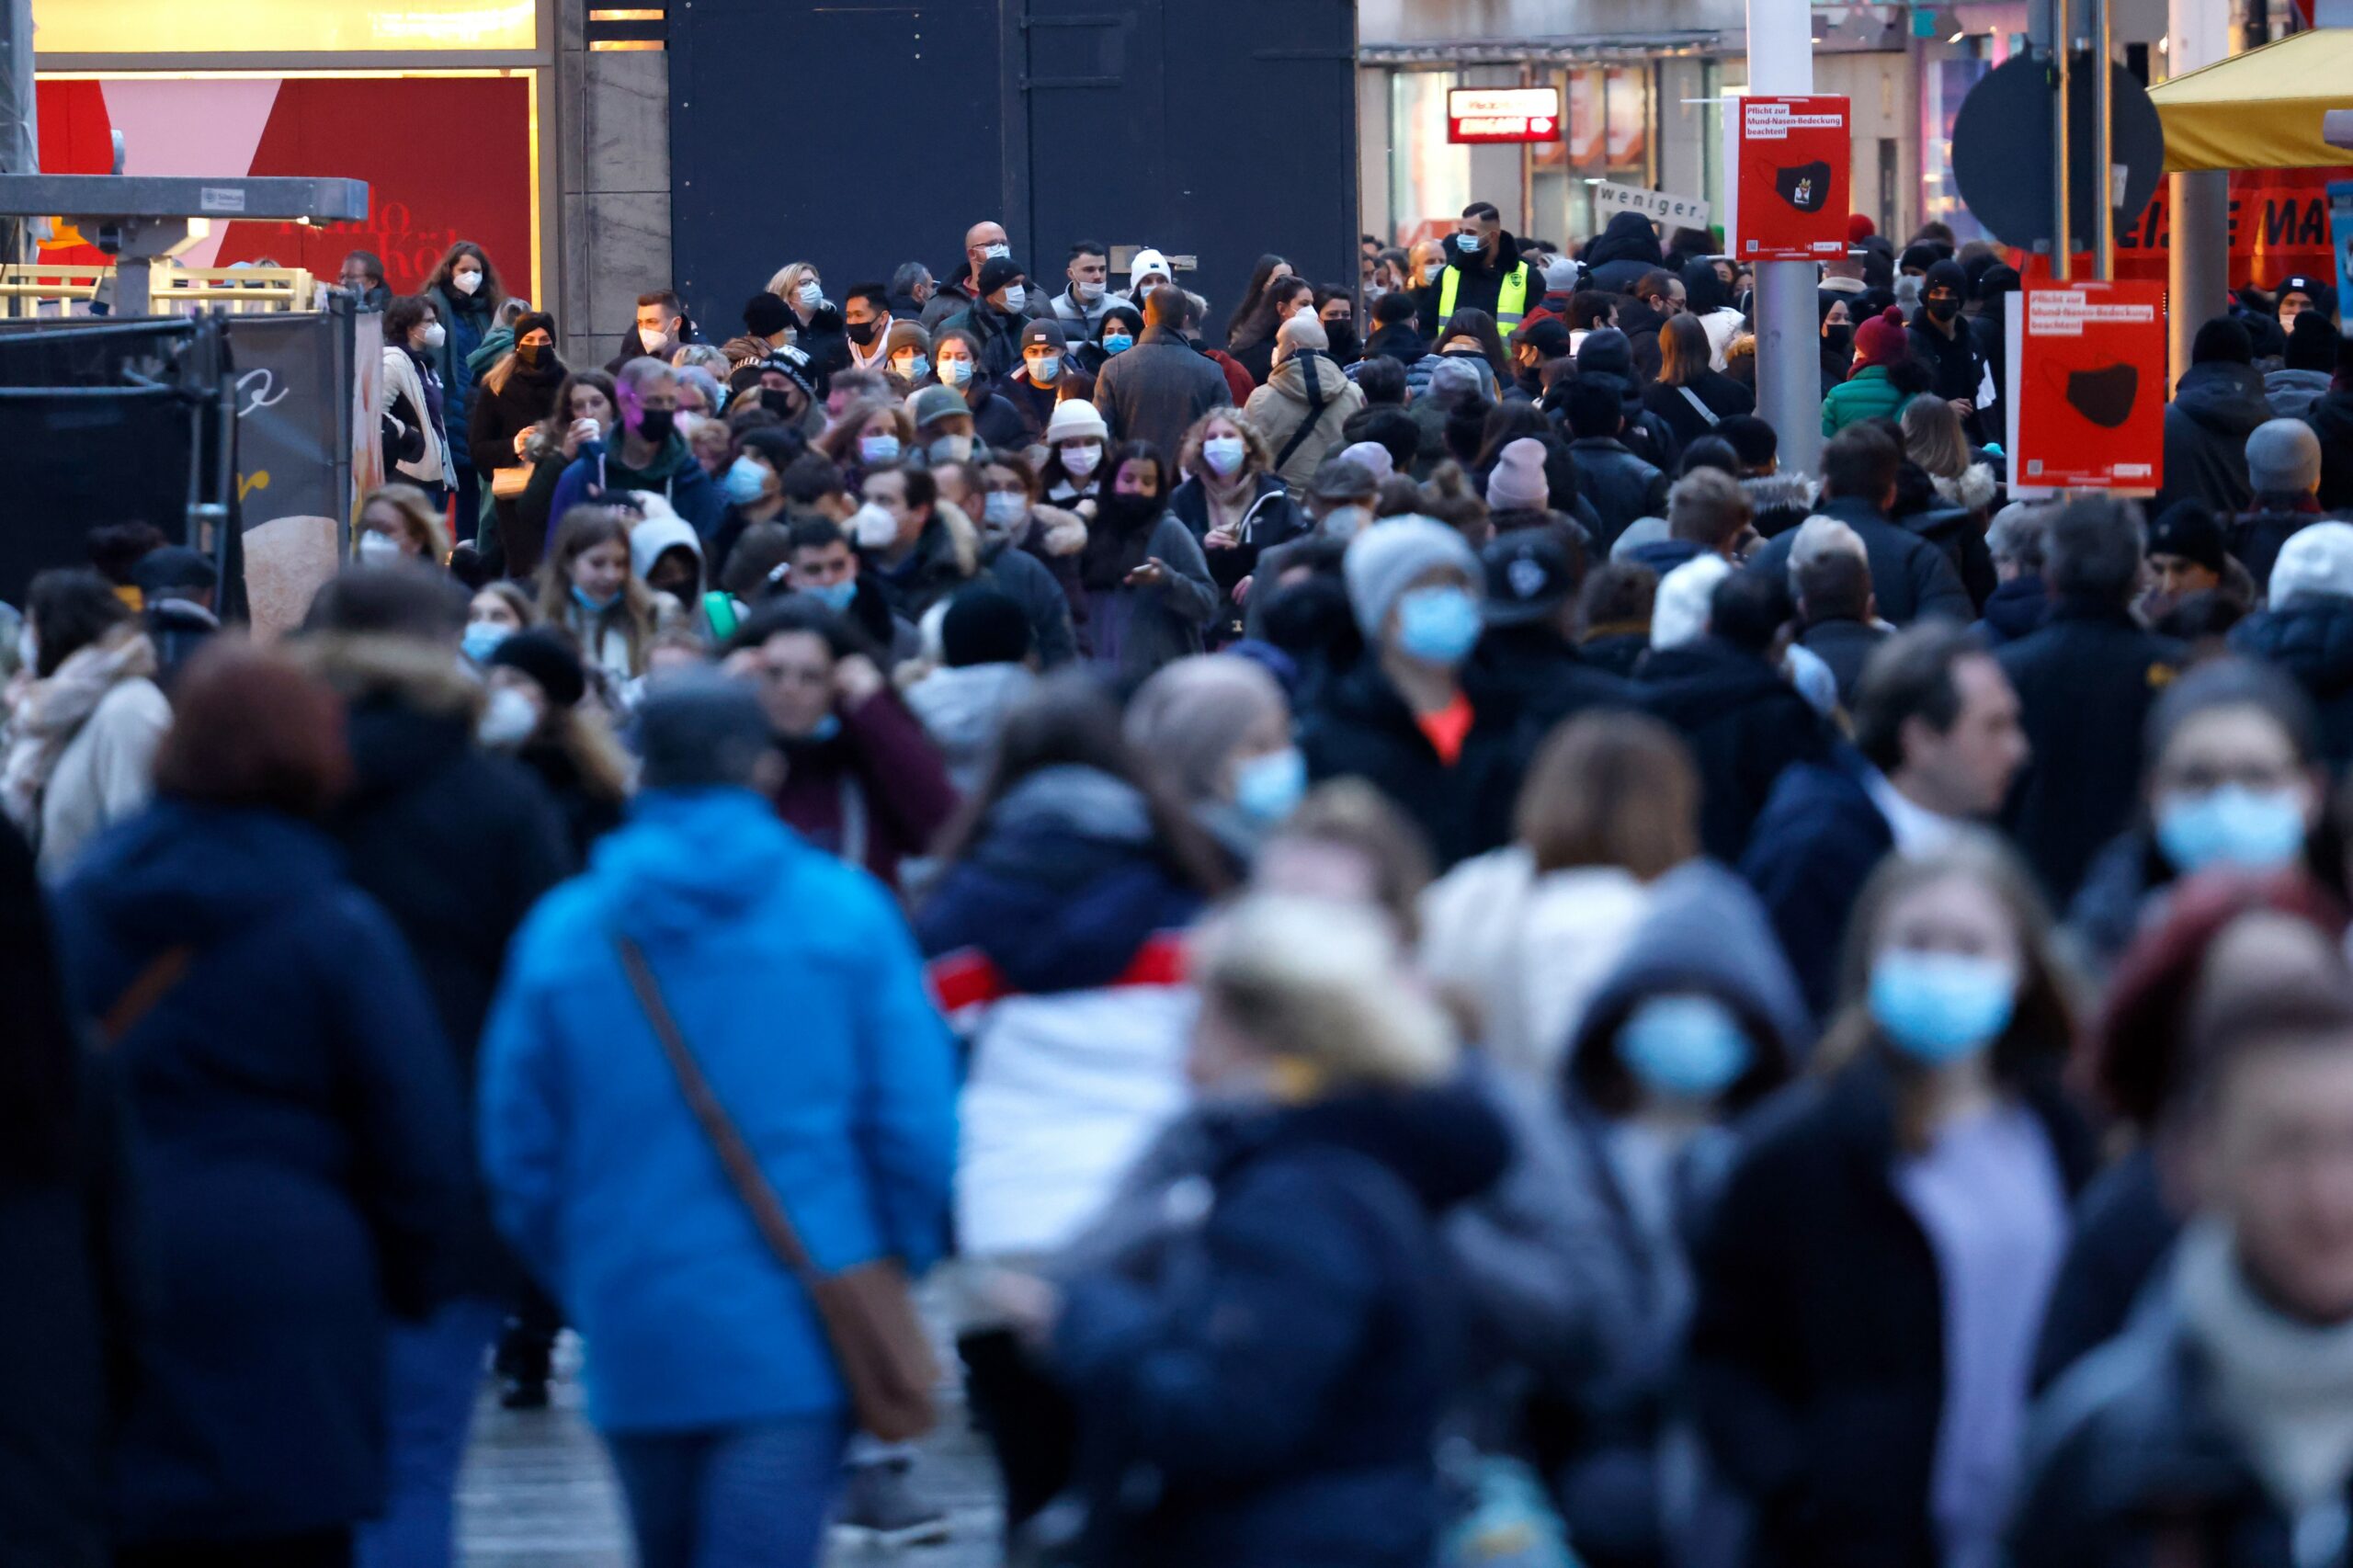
x=1254, y=347
x=416, y=413
x=466, y=292
x=868, y=433
x=513, y=396
x=1115, y=334
x=582, y=413
x=397, y=523
x=1473, y=331
x=1689, y=396
x=1873, y=1279
x=588, y=592
x=1934, y=439
x=1150, y=597
x=1236, y=505
x=1263, y=274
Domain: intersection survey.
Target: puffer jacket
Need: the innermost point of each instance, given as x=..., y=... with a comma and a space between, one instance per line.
x=1866, y=394
x=1054, y=945
x=1615, y=261
x=2311, y=641
x=1285, y=403
x=2331, y=417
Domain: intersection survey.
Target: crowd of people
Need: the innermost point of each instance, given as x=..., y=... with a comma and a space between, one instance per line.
x=1444, y=962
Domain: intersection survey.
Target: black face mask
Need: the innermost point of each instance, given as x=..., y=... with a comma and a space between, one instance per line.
x=2104, y=396
x=528, y=355
x=1343, y=337
x=1806, y=188
x=778, y=401
x=656, y=425
x=1941, y=310
x=862, y=332
x=1838, y=340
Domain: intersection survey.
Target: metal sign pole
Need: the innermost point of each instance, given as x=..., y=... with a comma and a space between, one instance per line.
x=2103, y=142
x=1789, y=331
x=2061, y=51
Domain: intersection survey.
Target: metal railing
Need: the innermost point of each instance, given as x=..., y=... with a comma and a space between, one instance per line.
x=43, y=289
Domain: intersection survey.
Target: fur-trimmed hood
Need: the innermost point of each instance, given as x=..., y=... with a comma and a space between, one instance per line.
x=417, y=674
x=1058, y=532
x=963, y=540
x=1974, y=490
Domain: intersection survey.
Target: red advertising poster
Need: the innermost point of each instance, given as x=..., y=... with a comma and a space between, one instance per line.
x=459, y=168
x=2088, y=387
x=1793, y=154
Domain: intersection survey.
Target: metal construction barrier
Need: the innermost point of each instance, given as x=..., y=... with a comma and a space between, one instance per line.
x=46, y=291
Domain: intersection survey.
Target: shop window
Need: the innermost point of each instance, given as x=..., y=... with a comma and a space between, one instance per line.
x=1429, y=177
x=253, y=27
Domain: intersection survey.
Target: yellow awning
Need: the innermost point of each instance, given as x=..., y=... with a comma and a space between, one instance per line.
x=2260, y=110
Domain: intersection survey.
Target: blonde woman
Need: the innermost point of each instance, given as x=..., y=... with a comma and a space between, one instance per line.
x=588, y=592
x=399, y=522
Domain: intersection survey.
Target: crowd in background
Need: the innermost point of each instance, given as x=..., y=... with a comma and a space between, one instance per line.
x=1443, y=959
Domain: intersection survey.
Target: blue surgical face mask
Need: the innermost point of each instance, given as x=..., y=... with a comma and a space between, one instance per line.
x=874, y=450
x=582, y=598
x=1003, y=511
x=954, y=372
x=1940, y=1007
x=835, y=596
x=1687, y=1048
x=1269, y=786
x=1117, y=342
x=2250, y=830
x=1439, y=625
x=1466, y=243
x=827, y=728
x=482, y=640
x=746, y=481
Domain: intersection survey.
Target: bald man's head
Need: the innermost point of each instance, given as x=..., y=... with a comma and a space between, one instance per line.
x=979, y=240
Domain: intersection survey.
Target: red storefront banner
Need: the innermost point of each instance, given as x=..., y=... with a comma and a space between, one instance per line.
x=2279, y=227
x=1792, y=155
x=446, y=158
x=2088, y=387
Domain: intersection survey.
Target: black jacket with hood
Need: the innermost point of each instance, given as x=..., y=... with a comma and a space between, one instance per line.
x=2215, y=408
x=1624, y=252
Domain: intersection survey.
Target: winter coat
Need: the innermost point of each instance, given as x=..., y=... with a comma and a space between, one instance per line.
x=1280, y=407
x=2331, y=417
x=600, y=473
x=945, y=560
x=2311, y=641
x=496, y=418
x=999, y=333
x=2292, y=393
x=2258, y=535
x=2215, y=408
x=1362, y=728
x=1154, y=391
x=1744, y=723
x=1262, y=1389
x=2125, y=1225
x=962, y=708
x=873, y=792
x=586, y=808
x=2131, y=1461
x=466, y=321
x=414, y=406
x=1622, y=487
x=1403, y=341
x=1866, y=394
x=1479, y=279
x=1528, y=950
x=1269, y=520
x=300, y=1159
x=1055, y=946
x=69, y=1304
x=1845, y=644
x=455, y=846
x=1956, y=365
x=1547, y=679
x=2017, y=608
x=100, y=767
x=996, y=423
x=1136, y=630
x=1723, y=397
x=1029, y=582
x=1054, y=538
x=1815, y=845
x=1817, y=1350
x=1623, y=251
x=2085, y=683
x=602, y=1176
x=1911, y=578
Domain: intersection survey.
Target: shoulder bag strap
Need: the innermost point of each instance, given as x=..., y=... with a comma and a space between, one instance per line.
x=734, y=1156
x=148, y=986
x=1313, y=380
x=1703, y=409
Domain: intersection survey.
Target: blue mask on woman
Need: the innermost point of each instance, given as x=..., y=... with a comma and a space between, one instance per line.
x=590, y=603
x=746, y=481
x=1269, y=787
x=1940, y=1007
x=1687, y=1048
x=482, y=640
x=1117, y=342
x=1439, y=625
x=2249, y=830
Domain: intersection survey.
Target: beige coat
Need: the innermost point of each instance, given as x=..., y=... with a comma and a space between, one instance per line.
x=106, y=772
x=1278, y=409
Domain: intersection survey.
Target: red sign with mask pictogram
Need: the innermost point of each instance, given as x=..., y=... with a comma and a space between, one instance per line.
x=1794, y=155
x=2088, y=387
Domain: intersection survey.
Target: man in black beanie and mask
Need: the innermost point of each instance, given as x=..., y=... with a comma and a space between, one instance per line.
x=1942, y=342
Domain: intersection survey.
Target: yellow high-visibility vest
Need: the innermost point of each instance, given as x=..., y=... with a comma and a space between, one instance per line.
x=1511, y=301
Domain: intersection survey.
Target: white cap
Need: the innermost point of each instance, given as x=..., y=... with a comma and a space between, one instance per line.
x=2316, y=564
x=1148, y=263
x=1075, y=419
x=1682, y=611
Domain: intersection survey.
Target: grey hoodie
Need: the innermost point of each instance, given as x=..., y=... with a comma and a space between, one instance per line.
x=961, y=711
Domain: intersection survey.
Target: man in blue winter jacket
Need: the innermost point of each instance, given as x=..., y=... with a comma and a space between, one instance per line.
x=798, y=993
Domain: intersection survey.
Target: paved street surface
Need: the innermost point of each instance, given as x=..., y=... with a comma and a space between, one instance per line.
x=538, y=1494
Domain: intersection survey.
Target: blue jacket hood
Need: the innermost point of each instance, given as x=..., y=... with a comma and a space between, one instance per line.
x=687, y=858
x=181, y=873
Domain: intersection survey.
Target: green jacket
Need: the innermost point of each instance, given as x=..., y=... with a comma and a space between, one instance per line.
x=1866, y=394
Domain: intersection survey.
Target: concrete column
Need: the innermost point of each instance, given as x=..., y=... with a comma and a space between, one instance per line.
x=613, y=115
x=2197, y=266
x=1788, y=356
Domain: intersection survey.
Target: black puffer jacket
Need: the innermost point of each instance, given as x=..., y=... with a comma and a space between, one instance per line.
x=2312, y=639
x=1363, y=728
x=2214, y=410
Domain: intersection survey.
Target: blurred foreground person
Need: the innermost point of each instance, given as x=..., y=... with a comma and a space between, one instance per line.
x=301, y=1152
x=1258, y=1369
x=1871, y=1284
x=2219, y=1429
x=712, y=1380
